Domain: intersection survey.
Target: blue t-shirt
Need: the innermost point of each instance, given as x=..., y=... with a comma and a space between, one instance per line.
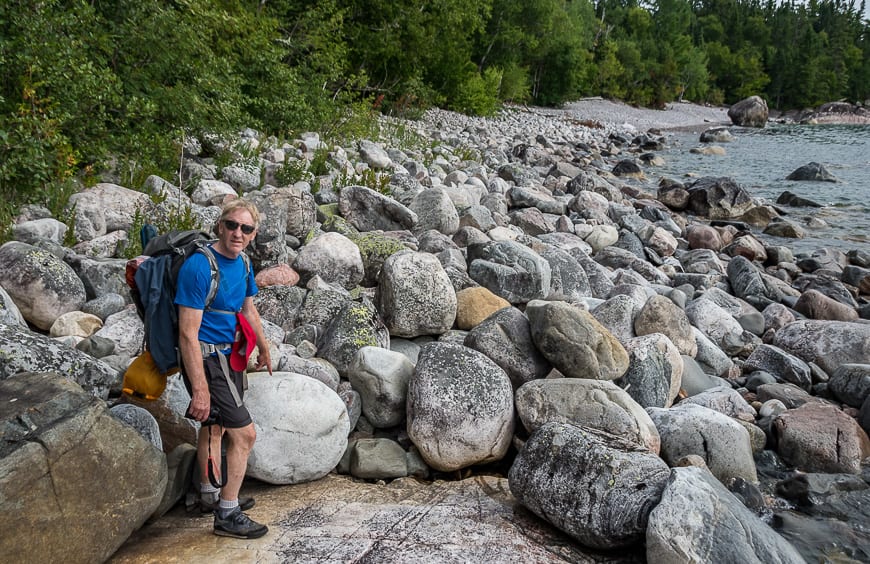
x=194, y=279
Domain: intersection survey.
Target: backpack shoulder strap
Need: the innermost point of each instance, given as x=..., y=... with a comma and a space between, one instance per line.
x=215, y=282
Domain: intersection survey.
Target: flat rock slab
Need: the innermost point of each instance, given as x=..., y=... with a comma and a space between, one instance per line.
x=336, y=519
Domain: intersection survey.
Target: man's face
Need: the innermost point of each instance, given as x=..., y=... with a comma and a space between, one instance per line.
x=231, y=231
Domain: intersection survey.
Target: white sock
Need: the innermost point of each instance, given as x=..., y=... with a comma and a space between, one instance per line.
x=209, y=492
x=227, y=506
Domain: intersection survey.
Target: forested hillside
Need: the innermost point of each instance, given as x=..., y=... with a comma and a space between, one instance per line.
x=89, y=84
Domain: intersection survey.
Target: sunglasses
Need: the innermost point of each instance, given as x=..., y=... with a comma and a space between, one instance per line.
x=233, y=225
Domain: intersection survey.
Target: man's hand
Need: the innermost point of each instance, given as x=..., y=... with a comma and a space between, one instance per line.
x=264, y=359
x=200, y=405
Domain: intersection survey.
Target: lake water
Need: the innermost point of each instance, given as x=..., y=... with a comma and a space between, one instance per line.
x=760, y=159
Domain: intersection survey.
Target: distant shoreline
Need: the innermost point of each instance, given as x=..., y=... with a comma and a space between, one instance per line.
x=677, y=115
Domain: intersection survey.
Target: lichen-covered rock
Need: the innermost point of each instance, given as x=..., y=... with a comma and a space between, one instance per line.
x=460, y=407
x=357, y=325
x=510, y=270
x=415, y=296
x=594, y=486
x=22, y=350
x=42, y=286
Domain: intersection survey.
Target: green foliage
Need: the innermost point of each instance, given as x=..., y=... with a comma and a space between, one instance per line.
x=179, y=218
x=478, y=95
x=100, y=89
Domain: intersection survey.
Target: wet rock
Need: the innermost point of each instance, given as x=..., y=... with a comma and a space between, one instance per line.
x=817, y=172
x=789, y=199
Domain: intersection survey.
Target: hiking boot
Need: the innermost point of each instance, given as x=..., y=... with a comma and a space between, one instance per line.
x=206, y=506
x=238, y=525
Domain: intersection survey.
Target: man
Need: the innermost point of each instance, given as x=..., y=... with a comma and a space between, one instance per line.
x=205, y=335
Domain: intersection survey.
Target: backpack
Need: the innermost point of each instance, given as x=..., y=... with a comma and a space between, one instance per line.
x=152, y=279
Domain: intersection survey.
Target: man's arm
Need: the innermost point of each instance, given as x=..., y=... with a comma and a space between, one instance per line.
x=189, y=321
x=264, y=356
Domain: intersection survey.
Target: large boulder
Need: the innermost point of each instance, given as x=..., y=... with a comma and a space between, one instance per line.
x=510, y=270
x=826, y=343
x=460, y=407
x=301, y=425
x=381, y=377
x=435, y=210
x=721, y=529
x=594, y=486
x=718, y=198
x=749, y=112
x=368, y=210
x=506, y=338
x=42, y=286
x=355, y=326
x=595, y=404
x=65, y=461
x=333, y=257
x=722, y=442
x=575, y=342
x=104, y=208
x=22, y=350
x=415, y=295
x=818, y=437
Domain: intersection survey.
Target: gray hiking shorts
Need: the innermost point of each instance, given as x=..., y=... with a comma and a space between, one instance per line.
x=221, y=397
